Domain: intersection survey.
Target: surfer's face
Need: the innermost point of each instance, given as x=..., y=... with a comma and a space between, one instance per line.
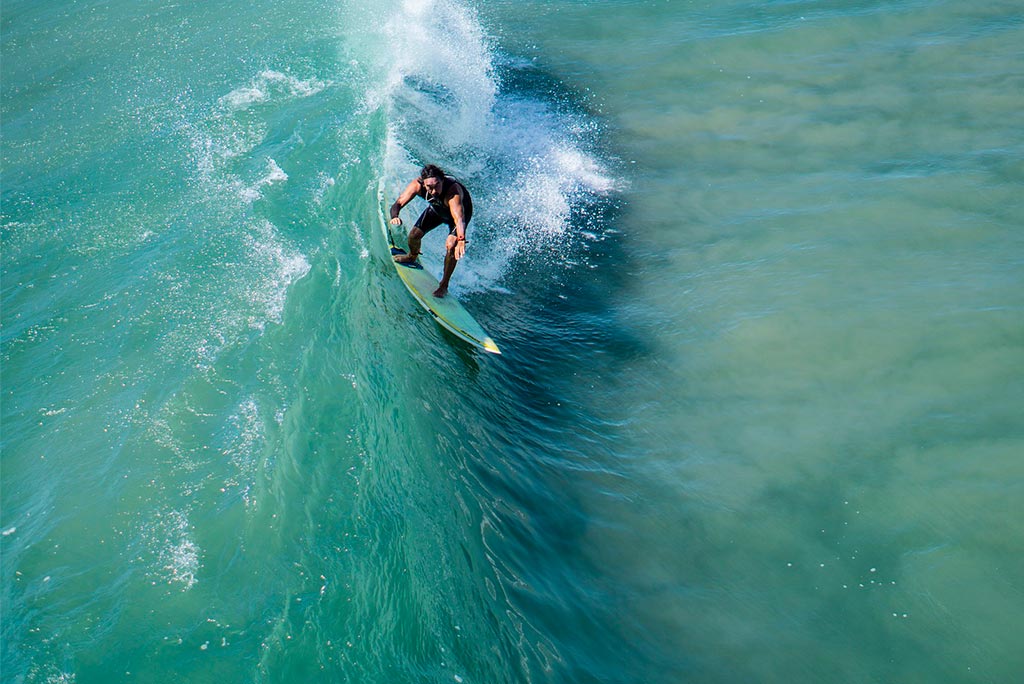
x=432, y=186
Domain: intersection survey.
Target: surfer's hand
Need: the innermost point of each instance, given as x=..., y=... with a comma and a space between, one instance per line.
x=460, y=249
x=396, y=221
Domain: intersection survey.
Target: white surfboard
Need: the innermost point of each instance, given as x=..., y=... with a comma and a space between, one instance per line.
x=447, y=310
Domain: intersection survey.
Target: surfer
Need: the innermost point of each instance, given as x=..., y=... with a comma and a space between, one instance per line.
x=448, y=202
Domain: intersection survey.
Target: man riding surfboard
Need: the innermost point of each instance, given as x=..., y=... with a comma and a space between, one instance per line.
x=448, y=203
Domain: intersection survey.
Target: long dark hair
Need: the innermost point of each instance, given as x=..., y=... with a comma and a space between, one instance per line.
x=431, y=171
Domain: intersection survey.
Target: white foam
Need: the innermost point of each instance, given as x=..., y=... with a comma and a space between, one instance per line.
x=441, y=79
x=278, y=266
x=274, y=175
x=242, y=98
x=269, y=85
x=583, y=171
x=176, y=555
x=243, y=451
x=356, y=231
x=326, y=183
x=441, y=43
x=296, y=86
x=50, y=674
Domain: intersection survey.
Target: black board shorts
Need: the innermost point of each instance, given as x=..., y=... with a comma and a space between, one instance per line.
x=431, y=219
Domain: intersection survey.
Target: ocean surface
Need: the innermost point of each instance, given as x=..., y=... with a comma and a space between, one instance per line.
x=756, y=269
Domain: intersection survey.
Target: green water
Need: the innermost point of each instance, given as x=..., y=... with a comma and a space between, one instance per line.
x=755, y=270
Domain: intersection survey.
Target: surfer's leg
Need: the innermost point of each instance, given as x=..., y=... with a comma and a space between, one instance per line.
x=427, y=221
x=415, y=237
x=449, y=267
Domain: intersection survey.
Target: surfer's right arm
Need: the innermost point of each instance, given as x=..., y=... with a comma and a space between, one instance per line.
x=411, y=190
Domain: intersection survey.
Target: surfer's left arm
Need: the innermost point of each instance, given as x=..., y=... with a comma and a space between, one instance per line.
x=455, y=205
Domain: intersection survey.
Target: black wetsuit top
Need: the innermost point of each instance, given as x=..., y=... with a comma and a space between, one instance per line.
x=439, y=204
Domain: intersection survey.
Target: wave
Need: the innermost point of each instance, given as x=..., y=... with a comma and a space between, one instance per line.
x=529, y=157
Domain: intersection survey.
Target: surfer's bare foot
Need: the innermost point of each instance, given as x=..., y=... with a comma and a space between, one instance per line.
x=406, y=258
x=440, y=292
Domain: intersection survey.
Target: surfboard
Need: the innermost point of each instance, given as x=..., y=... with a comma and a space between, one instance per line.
x=447, y=311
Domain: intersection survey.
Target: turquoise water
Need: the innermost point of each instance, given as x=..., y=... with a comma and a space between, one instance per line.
x=756, y=269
